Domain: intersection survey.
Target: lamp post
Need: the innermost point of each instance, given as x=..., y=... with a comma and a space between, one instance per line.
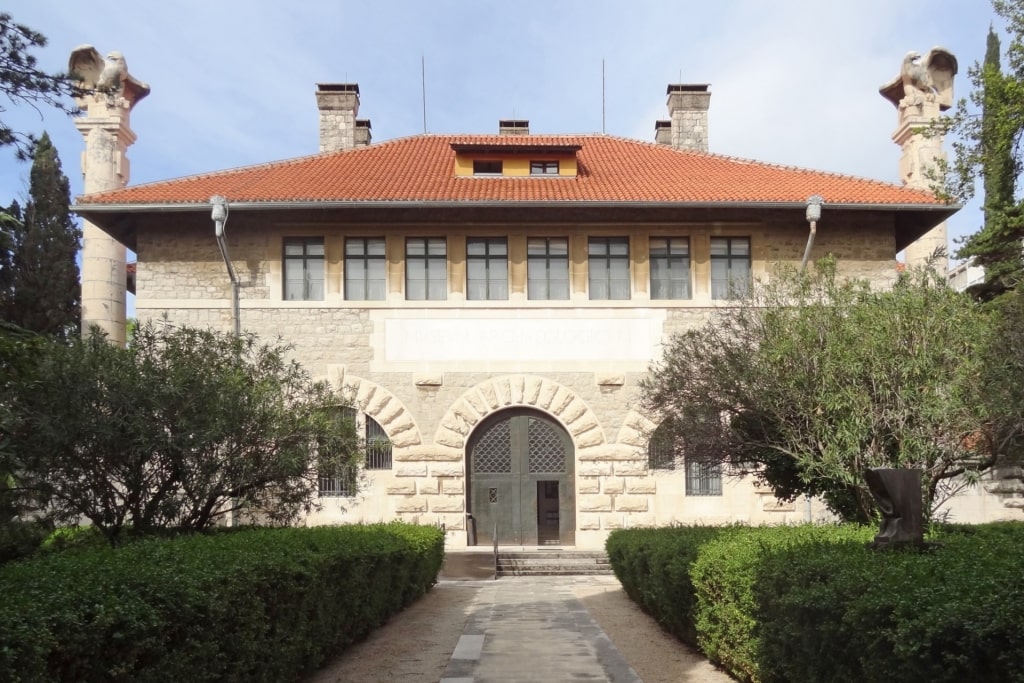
x=814, y=203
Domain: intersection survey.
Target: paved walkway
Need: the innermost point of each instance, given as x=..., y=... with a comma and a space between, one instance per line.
x=534, y=631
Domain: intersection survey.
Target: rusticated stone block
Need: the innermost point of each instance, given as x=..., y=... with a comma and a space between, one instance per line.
x=412, y=504
x=453, y=487
x=613, y=522
x=531, y=389
x=594, y=469
x=596, y=503
x=411, y=470
x=453, y=522
x=588, y=485
x=446, y=470
x=591, y=437
x=428, y=487
x=428, y=379
x=631, y=468
x=428, y=454
x=589, y=522
x=402, y=488
x=448, y=504
x=609, y=379
x=614, y=485
x=631, y=503
x=647, y=486
x=774, y=505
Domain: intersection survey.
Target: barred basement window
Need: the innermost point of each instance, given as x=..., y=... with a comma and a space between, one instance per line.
x=378, y=446
x=341, y=483
x=660, y=453
x=703, y=478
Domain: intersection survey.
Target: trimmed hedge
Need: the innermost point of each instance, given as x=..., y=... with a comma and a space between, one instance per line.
x=256, y=605
x=812, y=603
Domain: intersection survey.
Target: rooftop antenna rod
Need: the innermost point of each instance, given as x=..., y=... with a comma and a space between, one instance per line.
x=602, y=96
x=423, y=86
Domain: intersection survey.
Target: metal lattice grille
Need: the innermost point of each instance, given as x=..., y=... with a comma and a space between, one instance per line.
x=493, y=453
x=547, y=454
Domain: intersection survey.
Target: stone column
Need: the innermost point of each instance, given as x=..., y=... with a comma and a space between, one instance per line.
x=106, y=102
x=922, y=153
x=921, y=92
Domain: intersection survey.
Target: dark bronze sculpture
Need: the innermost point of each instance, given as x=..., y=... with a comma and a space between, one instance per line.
x=898, y=496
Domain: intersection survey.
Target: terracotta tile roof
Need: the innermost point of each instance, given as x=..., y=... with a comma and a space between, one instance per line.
x=611, y=169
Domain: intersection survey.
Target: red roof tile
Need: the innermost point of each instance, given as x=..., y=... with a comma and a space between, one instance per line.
x=611, y=169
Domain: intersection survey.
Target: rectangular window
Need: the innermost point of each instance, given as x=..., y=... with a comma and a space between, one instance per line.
x=547, y=268
x=487, y=167
x=365, y=269
x=304, y=269
x=486, y=268
x=670, y=268
x=703, y=478
x=730, y=267
x=543, y=168
x=426, y=269
x=609, y=267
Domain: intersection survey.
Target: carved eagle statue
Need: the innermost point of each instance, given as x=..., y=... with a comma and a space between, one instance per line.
x=929, y=77
x=108, y=76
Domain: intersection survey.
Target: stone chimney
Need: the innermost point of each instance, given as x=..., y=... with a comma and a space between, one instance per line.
x=513, y=127
x=363, y=135
x=688, y=111
x=663, y=132
x=339, y=105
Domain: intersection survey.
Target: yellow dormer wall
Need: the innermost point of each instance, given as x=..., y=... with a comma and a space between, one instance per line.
x=516, y=166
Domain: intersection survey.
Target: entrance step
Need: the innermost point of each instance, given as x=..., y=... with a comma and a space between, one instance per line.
x=552, y=563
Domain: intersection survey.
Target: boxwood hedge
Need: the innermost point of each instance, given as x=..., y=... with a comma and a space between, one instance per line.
x=257, y=605
x=813, y=603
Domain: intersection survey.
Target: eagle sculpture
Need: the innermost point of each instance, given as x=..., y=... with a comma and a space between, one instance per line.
x=108, y=76
x=923, y=79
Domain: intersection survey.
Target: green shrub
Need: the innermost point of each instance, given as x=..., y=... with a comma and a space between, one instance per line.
x=813, y=603
x=654, y=565
x=257, y=605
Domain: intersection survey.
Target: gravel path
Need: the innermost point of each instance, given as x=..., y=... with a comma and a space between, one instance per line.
x=416, y=645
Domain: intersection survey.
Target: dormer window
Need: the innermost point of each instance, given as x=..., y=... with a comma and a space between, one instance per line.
x=543, y=168
x=491, y=167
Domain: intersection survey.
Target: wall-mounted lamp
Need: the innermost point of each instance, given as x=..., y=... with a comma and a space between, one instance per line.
x=814, y=203
x=219, y=214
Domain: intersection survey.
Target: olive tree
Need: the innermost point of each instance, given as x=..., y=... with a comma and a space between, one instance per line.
x=812, y=379
x=177, y=431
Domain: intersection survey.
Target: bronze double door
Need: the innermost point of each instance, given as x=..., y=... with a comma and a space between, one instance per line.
x=521, y=480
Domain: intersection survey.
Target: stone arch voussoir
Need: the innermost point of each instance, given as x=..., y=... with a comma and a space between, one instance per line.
x=387, y=409
x=518, y=391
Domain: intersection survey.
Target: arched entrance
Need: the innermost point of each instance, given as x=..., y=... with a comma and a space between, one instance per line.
x=520, y=465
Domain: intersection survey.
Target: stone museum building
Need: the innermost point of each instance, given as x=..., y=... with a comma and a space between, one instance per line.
x=491, y=301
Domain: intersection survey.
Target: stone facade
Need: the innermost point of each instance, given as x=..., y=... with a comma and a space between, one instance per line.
x=428, y=398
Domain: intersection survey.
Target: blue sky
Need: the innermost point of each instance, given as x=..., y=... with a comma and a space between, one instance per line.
x=792, y=81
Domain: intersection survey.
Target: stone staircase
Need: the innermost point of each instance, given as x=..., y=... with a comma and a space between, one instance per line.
x=552, y=563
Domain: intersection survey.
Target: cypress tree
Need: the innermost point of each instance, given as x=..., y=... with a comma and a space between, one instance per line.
x=39, y=285
x=997, y=245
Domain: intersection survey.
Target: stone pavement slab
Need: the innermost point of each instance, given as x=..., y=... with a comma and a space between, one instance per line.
x=534, y=630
